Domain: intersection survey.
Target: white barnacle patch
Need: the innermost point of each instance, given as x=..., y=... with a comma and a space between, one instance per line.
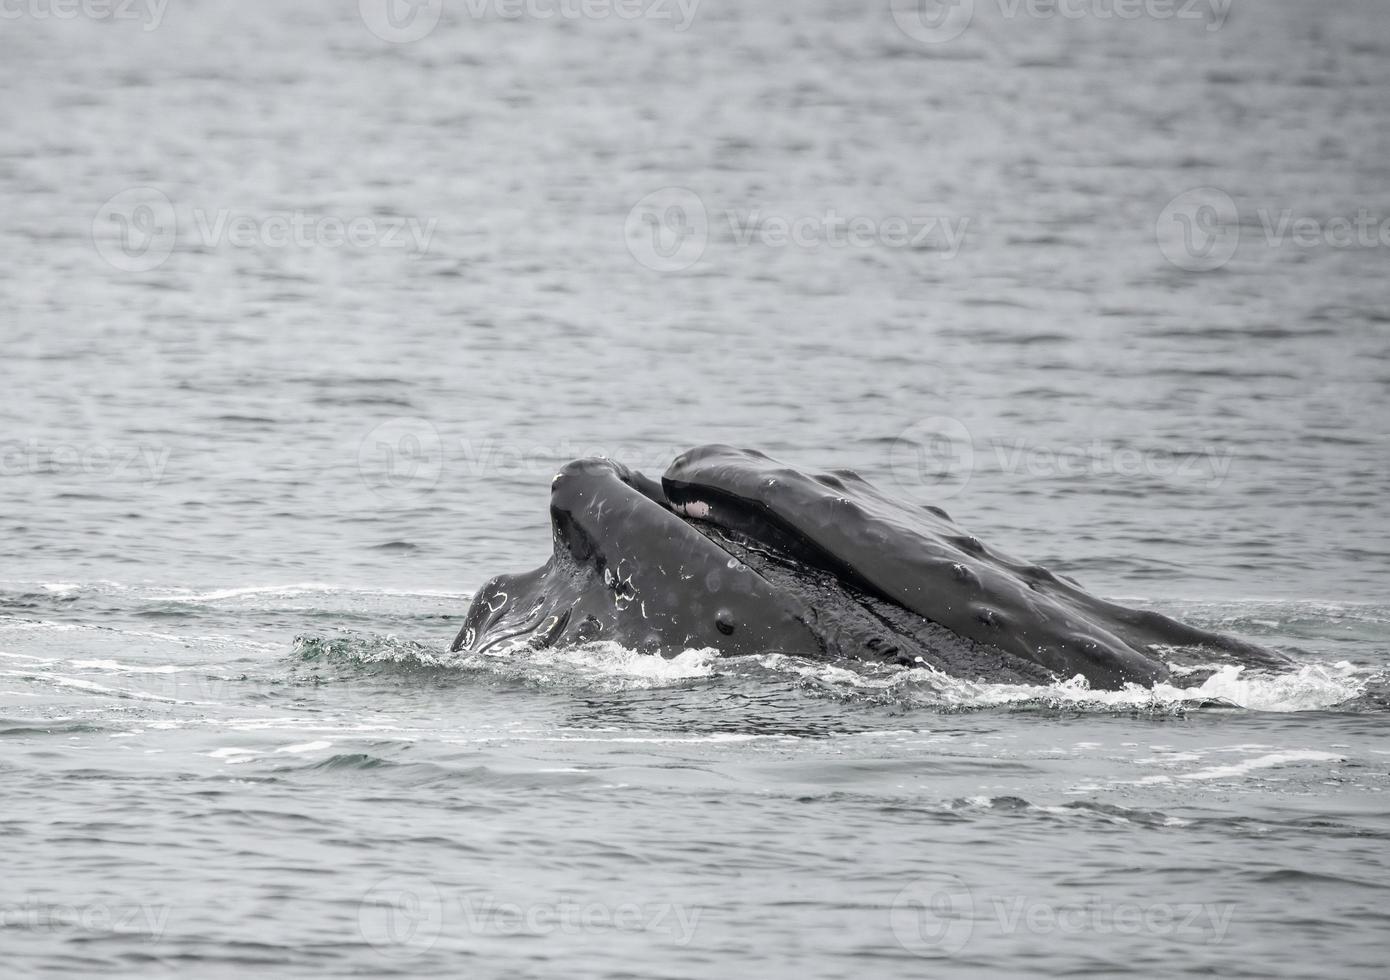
x=697, y=509
x=469, y=635
x=620, y=584
x=497, y=602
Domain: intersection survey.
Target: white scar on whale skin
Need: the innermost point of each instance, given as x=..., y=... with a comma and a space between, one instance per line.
x=696, y=509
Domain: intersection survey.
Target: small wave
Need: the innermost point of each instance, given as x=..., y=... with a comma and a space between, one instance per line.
x=1311, y=687
x=25, y=727
x=1086, y=809
x=92, y=687
x=115, y=666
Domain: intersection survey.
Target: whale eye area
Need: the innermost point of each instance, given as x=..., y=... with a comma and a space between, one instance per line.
x=588, y=630
x=724, y=621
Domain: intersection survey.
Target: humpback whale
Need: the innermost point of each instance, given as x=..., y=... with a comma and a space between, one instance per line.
x=734, y=551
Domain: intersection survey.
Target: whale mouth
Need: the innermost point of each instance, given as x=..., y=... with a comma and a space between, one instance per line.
x=735, y=523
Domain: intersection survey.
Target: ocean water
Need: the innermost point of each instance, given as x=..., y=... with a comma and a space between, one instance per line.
x=303, y=304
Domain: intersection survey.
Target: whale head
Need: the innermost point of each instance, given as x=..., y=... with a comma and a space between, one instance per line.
x=734, y=551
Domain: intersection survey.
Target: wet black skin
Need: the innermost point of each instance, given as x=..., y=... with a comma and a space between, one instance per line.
x=734, y=551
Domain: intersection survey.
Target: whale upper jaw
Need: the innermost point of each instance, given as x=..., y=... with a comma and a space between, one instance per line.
x=734, y=551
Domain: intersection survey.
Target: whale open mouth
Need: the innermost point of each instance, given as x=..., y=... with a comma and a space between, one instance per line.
x=735, y=551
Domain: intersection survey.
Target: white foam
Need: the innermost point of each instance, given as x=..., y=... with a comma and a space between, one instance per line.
x=299, y=589
x=118, y=667
x=1311, y=687
x=25, y=656
x=248, y=590
x=233, y=756
x=1308, y=688
x=1263, y=762
x=602, y=664
x=712, y=738
x=318, y=746
x=1168, y=758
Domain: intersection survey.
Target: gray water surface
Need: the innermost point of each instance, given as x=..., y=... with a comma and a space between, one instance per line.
x=301, y=314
